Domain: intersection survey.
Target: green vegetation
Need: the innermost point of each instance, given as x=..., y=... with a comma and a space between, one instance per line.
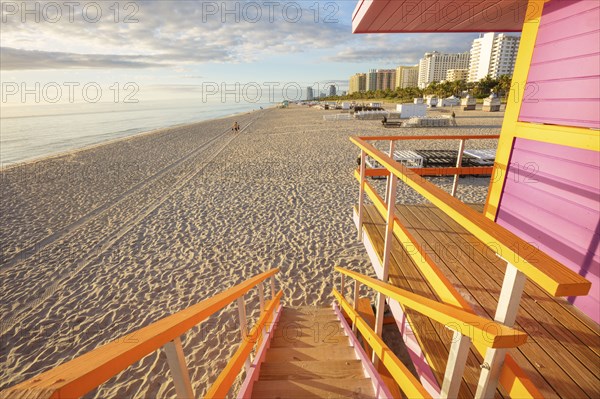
x=480, y=89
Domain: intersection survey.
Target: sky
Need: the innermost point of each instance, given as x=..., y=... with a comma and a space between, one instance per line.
x=66, y=51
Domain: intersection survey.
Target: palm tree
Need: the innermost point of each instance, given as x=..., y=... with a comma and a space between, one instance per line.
x=458, y=86
x=504, y=83
x=432, y=88
x=444, y=89
x=484, y=87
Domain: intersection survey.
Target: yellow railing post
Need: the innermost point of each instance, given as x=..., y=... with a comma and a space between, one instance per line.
x=461, y=150
x=387, y=180
x=506, y=313
x=361, y=194
x=343, y=284
x=387, y=253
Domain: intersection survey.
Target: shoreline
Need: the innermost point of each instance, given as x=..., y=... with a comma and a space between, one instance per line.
x=64, y=153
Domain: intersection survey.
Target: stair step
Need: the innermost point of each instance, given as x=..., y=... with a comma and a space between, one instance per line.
x=320, y=329
x=309, y=354
x=307, y=370
x=289, y=327
x=323, y=388
x=308, y=311
x=307, y=316
x=307, y=341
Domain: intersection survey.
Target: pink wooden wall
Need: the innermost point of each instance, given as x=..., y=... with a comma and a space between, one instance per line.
x=563, y=86
x=551, y=196
x=551, y=199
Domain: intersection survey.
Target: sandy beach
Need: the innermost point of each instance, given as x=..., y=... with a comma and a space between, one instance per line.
x=102, y=241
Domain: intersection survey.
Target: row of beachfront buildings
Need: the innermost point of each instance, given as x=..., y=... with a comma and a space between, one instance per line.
x=492, y=54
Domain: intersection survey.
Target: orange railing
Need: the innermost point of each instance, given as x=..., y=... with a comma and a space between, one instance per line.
x=547, y=272
x=467, y=328
x=457, y=170
x=84, y=373
x=523, y=260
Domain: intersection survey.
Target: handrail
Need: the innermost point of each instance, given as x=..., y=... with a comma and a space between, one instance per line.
x=407, y=382
x=547, y=272
x=221, y=386
x=432, y=137
x=77, y=377
x=479, y=329
x=420, y=256
x=443, y=171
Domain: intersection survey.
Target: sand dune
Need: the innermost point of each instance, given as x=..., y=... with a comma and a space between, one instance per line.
x=100, y=242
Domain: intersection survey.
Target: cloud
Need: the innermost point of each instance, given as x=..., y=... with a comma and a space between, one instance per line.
x=405, y=49
x=17, y=59
x=163, y=34
x=333, y=81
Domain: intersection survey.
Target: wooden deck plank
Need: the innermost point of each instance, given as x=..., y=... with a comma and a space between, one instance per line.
x=576, y=335
x=484, y=302
x=535, y=299
x=555, y=354
x=435, y=339
x=567, y=351
x=581, y=326
x=416, y=279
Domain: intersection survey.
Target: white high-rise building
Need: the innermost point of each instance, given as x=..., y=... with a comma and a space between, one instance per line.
x=493, y=54
x=434, y=66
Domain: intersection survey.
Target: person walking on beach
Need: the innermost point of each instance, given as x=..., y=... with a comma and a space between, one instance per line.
x=236, y=127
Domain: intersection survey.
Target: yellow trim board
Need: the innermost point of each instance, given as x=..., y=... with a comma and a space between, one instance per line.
x=513, y=105
x=583, y=138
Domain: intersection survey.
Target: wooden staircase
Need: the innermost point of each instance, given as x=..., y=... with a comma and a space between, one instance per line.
x=311, y=357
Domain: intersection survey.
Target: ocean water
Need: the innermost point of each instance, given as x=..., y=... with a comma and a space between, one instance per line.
x=29, y=132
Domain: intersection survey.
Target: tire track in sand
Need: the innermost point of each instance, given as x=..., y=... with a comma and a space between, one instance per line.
x=22, y=312
x=37, y=247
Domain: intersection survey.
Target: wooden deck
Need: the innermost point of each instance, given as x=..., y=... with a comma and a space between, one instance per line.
x=562, y=354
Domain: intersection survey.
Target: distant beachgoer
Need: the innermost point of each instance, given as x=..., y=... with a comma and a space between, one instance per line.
x=236, y=127
x=384, y=120
x=453, y=115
